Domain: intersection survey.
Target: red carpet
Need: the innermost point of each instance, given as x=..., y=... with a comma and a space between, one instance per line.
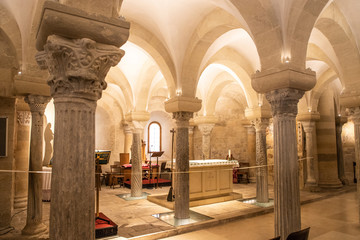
x=151, y=182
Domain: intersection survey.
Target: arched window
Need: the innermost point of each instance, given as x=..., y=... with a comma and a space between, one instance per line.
x=154, y=137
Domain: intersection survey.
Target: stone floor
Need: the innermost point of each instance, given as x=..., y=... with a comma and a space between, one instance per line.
x=135, y=219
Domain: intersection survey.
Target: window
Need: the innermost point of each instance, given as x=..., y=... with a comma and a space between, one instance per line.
x=154, y=137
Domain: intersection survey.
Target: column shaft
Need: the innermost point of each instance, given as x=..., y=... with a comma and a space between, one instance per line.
x=286, y=173
x=251, y=141
x=355, y=117
x=34, y=224
x=136, y=168
x=310, y=156
x=22, y=158
x=340, y=155
x=73, y=174
x=182, y=197
x=262, y=193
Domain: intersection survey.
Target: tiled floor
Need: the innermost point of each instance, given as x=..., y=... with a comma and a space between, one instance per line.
x=335, y=218
x=135, y=219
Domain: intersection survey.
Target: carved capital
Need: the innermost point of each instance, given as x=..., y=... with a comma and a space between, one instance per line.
x=37, y=103
x=284, y=101
x=260, y=124
x=182, y=118
x=354, y=113
x=206, y=128
x=308, y=126
x=77, y=67
x=24, y=118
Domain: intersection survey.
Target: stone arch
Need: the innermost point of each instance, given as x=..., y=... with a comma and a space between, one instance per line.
x=261, y=19
x=301, y=25
x=239, y=65
x=215, y=24
x=10, y=30
x=155, y=48
x=117, y=77
x=344, y=46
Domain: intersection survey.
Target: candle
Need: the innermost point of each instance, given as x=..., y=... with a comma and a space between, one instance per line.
x=229, y=153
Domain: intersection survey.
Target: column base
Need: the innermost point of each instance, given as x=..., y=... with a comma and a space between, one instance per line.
x=331, y=184
x=34, y=229
x=312, y=187
x=20, y=202
x=344, y=181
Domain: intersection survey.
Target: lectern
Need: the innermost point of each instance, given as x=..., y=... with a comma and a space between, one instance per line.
x=157, y=155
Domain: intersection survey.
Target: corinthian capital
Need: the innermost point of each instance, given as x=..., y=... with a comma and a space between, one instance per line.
x=77, y=67
x=284, y=101
x=354, y=113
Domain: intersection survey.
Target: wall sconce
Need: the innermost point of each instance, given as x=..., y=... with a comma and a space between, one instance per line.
x=309, y=110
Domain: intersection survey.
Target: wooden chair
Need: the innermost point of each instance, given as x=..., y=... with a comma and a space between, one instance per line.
x=116, y=175
x=299, y=235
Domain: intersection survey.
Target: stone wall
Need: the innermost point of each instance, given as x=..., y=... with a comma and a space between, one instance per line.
x=7, y=109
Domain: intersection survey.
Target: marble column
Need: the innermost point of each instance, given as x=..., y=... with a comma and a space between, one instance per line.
x=309, y=129
x=77, y=71
x=340, y=121
x=206, y=129
x=136, y=168
x=182, y=197
x=355, y=117
x=191, y=142
x=22, y=158
x=286, y=173
x=262, y=193
x=34, y=224
x=251, y=148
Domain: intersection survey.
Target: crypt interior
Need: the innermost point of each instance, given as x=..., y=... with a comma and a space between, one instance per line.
x=247, y=99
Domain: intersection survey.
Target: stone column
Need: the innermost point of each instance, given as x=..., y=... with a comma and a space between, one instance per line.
x=355, y=117
x=191, y=142
x=309, y=127
x=34, y=224
x=251, y=148
x=286, y=173
x=128, y=138
x=136, y=168
x=262, y=193
x=182, y=197
x=340, y=121
x=206, y=129
x=77, y=70
x=22, y=158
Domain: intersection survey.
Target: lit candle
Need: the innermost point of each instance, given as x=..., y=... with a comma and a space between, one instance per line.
x=229, y=153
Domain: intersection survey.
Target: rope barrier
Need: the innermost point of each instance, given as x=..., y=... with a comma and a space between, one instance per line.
x=192, y=171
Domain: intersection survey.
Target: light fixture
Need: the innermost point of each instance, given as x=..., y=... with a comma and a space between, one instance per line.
x=178, y=92
x=19, y=72
x=287, y=60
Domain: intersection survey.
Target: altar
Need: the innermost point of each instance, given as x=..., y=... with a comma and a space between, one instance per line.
x=210, y=181
x=210, y=178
